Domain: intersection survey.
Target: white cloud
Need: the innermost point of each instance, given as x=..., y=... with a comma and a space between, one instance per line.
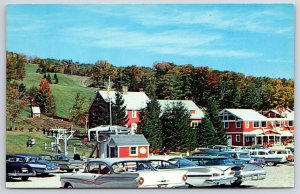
x=178, y=42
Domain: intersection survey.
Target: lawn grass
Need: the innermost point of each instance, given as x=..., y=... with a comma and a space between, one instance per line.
x=16, y=143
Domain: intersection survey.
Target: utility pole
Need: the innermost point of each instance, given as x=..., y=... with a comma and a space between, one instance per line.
x=108, y=89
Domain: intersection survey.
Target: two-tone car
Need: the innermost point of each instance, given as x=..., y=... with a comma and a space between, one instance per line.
x=16, y=167
x=123, y=173
x=243, y=171
x=65, y=163
x=271, y=159
x=198, y=176
x=38, y=165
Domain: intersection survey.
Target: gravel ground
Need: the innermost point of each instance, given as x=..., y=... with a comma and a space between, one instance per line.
x=277, y=177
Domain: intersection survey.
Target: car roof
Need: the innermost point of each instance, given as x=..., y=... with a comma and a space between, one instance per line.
x=208, y=157
x=110, y=161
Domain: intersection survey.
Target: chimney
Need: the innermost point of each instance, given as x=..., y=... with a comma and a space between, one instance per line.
x=124, y=90
x=141, y=89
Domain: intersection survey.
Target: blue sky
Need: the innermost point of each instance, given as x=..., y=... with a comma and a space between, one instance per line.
x=252, y=39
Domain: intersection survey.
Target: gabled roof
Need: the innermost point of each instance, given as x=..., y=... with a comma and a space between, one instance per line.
x=246, y=114
x=188, y=104
x=128, y=140
x=36, y=110
x=132, y=100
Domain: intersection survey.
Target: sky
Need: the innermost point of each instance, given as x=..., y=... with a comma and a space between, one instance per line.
x=254, y=39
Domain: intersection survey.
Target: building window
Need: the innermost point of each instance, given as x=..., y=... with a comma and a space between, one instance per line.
x=195, y=124
x=247, y=139
x=133, y=151
x=247, y=124
x=238, y=124
x=264, y=124
x=192, y=112
x=133, y=114
x=226, y=125
x=277, y=123
x=291, y=123
x=238, y=138
x=255, y=124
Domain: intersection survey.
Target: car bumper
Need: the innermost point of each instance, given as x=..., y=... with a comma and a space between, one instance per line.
x=220, y=181
x=253, y=177
x=20, y=174
x=52, y=170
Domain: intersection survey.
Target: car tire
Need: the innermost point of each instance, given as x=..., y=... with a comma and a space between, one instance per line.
x=236, y=183
x=25, y=178
x=70, y=170
x=68, y=186
x=270, y=163
x=45, y=174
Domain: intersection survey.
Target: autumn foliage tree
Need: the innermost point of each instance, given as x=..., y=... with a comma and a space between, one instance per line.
x=77, y=112
x=45, y=99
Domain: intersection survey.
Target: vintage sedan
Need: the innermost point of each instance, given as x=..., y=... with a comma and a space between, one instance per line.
x=271, y=159
x=198, y=176
x=65, y=163
x=243, y=170
x=38, y=165
x=123, y=173
x=16, y=167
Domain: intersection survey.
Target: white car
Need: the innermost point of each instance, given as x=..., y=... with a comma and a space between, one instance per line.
x=271, y=159
x=285, y=154
x=198, y=176
x=123, y=173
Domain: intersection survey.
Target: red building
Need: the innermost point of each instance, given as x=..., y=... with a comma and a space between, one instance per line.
x=127, y=146
x=134, y=102
x=36, y=112
x=248, y=127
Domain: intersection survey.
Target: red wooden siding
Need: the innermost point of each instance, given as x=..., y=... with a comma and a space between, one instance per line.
x=124, y=152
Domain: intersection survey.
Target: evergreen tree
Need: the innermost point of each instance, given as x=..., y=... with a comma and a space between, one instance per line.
x=45, y=76
x=77, y=113
x=119, y=116
x=206, y=134
x=213, y=116
x=55, y=78
x=178, y=135
x=98, y=112
x=150, y=124
x=49, y=79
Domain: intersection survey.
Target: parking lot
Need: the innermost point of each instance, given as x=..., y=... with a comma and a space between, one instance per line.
x=277, y=176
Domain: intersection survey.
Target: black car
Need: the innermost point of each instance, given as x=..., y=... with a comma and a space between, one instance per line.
x=38, y=165
x=16, y=167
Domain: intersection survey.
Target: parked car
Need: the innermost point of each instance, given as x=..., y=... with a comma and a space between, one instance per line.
x=290, y=148
x=243, y=170
x=16, y=167
x=285, y=154
x=198, y=176
x=123, y=173
x=237, y=155
x=38, y=165
x=268, y=155
x=64, y=162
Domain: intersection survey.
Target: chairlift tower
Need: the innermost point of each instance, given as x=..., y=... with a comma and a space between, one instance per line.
x=61, y=134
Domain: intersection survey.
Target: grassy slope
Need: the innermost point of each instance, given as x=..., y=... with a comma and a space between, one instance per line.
x=16, y=143
x=64, y=92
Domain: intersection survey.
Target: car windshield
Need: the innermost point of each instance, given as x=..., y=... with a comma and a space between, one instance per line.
x=215, y=161
x=45, y=157
x=16, y=159
x=182, y=162
x=132, y=166
x=244, y=155
x=161, y=164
